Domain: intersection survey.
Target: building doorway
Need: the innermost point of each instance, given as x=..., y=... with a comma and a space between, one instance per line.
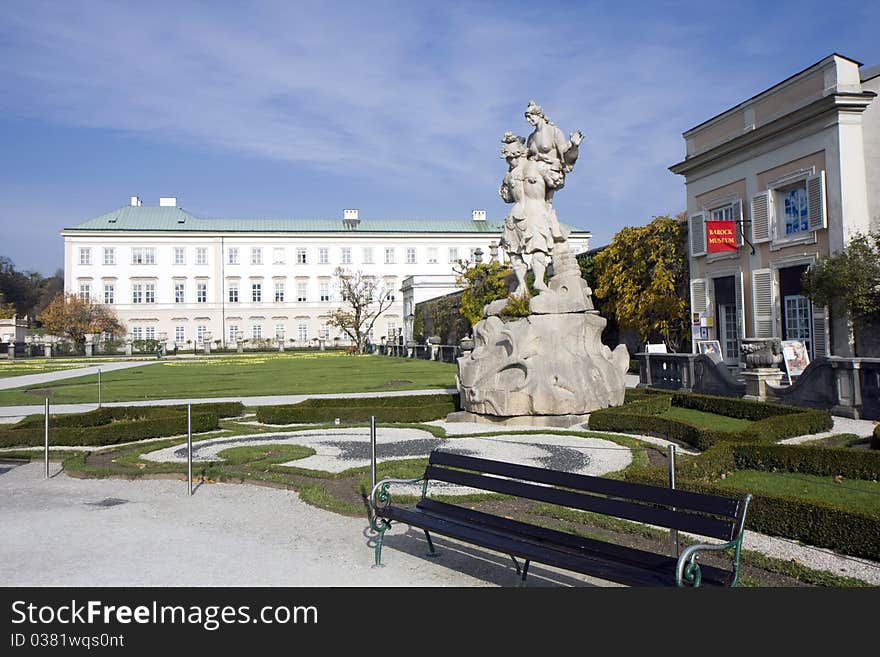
x=725, y=312
x=797, y=320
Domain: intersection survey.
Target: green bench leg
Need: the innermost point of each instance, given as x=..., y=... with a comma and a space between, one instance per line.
x=431, y=551
x=379, y=539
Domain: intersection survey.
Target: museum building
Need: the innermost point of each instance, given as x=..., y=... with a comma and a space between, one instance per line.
x=173, y=276
x=773, y=184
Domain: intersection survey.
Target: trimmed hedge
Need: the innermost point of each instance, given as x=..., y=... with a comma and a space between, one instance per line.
x=820, y=524
x=109, y=434
x=106, y=415
x=771, y=422
x=116, y=424
x=806, y=459
x=408, y=408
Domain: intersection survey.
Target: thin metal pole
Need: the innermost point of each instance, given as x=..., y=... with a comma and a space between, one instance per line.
x=46, y=435
x=99, y=387
x=673, y=534
x=372, y=452
x=189, y=448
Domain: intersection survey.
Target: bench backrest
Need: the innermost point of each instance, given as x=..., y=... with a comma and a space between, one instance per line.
x=698, y=513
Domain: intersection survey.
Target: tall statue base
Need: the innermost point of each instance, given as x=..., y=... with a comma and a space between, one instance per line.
x=541, y=365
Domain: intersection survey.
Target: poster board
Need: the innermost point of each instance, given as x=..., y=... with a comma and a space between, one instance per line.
x=711, y=348
x=796, y=358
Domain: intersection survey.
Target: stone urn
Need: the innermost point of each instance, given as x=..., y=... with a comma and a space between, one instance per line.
x=761, y=352
x=467, y=344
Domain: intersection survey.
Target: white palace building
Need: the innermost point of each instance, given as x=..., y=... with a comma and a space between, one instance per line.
x=170, y=275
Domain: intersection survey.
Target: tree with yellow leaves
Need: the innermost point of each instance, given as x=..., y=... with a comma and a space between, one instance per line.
x=642, y=278
x=72, y=317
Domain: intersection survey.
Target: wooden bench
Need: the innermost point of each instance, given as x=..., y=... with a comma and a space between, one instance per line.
x=697, y=513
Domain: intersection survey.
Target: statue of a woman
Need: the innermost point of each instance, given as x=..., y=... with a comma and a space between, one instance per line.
x=548, y=146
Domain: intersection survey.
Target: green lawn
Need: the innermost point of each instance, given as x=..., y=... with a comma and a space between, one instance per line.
x=856, y=494
x=245, y=375
x=706, y=420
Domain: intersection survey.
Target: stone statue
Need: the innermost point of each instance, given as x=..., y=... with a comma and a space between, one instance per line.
x=551, y=367
x=548, y=147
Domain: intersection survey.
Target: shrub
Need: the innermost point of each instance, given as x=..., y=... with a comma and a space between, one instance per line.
x=743, y=409
x=110, y=433
x=414, y=408
x=823, y=525
x=807, y=459
x=771, y=422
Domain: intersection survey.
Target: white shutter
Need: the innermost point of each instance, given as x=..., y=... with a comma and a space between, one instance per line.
x=762, y=296
x=820, y=332
x=762, y=213
x=699, y=297
x=737, y=212
x=698, y=234
x=816, y=208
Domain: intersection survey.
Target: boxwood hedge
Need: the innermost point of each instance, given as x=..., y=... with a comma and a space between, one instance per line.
x=820, y=524
x=116, y=424
x=771, y=422
x=405, y=408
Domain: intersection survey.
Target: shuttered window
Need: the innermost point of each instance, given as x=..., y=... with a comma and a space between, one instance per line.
x=820, y=332
x=699, y=297
x=762, y=297
x=761, y=214
x=698, y=234
x=816, y=209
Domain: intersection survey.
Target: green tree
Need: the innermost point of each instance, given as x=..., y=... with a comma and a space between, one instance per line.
x=849, y=281
x=21, y=289
x=642, y=280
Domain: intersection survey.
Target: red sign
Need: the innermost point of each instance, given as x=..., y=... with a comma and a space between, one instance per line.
x=721, y=236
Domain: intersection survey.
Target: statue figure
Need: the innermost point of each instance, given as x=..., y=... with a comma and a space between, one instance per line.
x=548, y=147
x=527, y=228
x=536, y=169
x=550, y=367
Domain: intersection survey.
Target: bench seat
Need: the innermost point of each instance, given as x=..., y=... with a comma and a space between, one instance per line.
x=715, y=516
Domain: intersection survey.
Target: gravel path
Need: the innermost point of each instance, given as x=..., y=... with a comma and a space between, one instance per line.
x=70, y=532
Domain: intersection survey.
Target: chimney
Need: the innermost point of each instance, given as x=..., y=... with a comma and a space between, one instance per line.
x=136, y=202
x=168, y=202
x=350, y=218
x=478, y=215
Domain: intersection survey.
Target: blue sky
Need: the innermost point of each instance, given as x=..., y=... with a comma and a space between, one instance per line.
x=293, y=109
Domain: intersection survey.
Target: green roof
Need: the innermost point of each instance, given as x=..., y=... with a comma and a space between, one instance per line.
x=153, y=218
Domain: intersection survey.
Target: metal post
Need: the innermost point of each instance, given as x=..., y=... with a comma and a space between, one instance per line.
x=372, y=452
x=189, y=448
x=673, y=534
x=46, y=435
x=99, y=387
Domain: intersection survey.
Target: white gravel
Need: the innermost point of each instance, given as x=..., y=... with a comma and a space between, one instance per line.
x=861, y=428
x=338, y=450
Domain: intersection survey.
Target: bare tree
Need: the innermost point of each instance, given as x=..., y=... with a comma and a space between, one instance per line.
x=364, y=299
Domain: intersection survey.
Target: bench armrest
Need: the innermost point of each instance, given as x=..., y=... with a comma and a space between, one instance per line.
x=381, y=495
x=687, y=570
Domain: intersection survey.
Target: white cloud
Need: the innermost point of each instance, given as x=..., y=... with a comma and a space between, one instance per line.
x=404, y=95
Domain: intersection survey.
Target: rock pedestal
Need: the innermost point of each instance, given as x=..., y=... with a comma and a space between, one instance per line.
x=540, y=365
